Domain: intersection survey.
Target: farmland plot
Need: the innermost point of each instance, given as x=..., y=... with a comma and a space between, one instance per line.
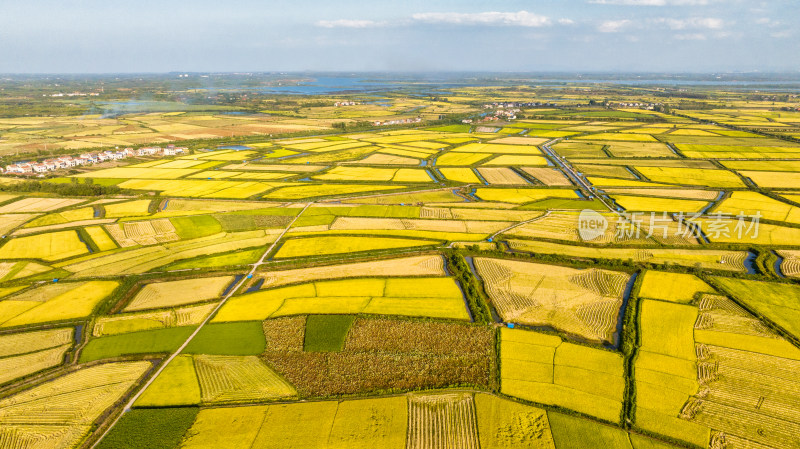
x=149, y=232
x=581, y=302
x=178, y=293
x=442, y=420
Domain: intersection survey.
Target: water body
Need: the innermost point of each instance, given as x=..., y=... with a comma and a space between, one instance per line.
x=233, y=283
x=78, y=334
x=621, y=319
x=778, y=263
x=256, y=286
x=713, y=204
x=749, y=261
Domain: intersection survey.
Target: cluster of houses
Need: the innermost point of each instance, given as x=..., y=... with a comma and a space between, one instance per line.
x=58, y=163
x=345, y=103
x=648, y=106
x=516, y=104
x=399, y=121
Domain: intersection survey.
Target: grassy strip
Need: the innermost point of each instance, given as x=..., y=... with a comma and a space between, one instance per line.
x=457, y=265
x=630, y=341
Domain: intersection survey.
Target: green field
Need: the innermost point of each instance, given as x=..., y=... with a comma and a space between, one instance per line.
x=326, y=333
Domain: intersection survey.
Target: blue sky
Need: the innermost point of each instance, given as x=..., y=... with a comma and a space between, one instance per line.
x=89, y=36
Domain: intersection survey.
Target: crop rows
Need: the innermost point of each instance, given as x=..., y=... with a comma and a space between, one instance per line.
x=232, y=378
x=445, y=421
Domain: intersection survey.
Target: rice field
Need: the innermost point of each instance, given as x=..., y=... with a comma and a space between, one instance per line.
x=579, y=302
x=442, y=420
x=434, y=297
x=54, y=302
x=34, y=204
x=404, y=266
x=318, y=246
x=501, y=176
x=178, y=293
x=142, y=321
x=543, y=369
x=238, y=379
x=51, y=246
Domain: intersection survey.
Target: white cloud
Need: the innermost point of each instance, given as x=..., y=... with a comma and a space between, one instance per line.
x=613, y=26
x=708, y=23
x=566, y=22
x=348, y=23
x=520, y=18
x=652, y=2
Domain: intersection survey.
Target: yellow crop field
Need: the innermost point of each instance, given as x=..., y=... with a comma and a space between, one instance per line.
x=387, y=159
x=101, y=238
x=10, y=221
x=495, y=148
x=460, y=174
x=60, y=412
x=688, y=194
x=55, y=302
x=501, y=176
x=753, y=203
x=507, y=424
x=712, y=259
x=449, y=226
x=310, y=191
x=50, y=246
x=666, y=372
x=197, y=188
x=71, y=215
x=654, y=204
x=177, y=293
x=342, y=173
x=618, y=136
x=411, y=175
x=140, y=260
x=38, y=205
x=148, y=232
x=238, y=379
x=640, y=149
x=516, y=140
x=127, y=209
x=405, y=266
x=139, y=172
x=673, y=287
x=241, y=426
x=581, y=302
x=207, y=206
x=692, y=176
x=317, y=246
x=420, y=296
x=22, y=365
x=141, y=321
x=516, y=160
x=25, y=342
x=456, y=158
x=520, y=196
x=176, y=385
x=442, y=420
x=370, y=423
x=543, y=369
x=727, y=231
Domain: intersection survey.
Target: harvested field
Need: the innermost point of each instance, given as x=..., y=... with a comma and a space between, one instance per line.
x=548, y=176
x=135, y=322
x=38, y=205
x=445, y=420
x=149, y=232
x=60, y=412
x=10, y=221
x=501, y=176
x=177, y=293
x=238, y=379
x=581, y=302
x=22, y=365
x=24, y=342
x=405, y=266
